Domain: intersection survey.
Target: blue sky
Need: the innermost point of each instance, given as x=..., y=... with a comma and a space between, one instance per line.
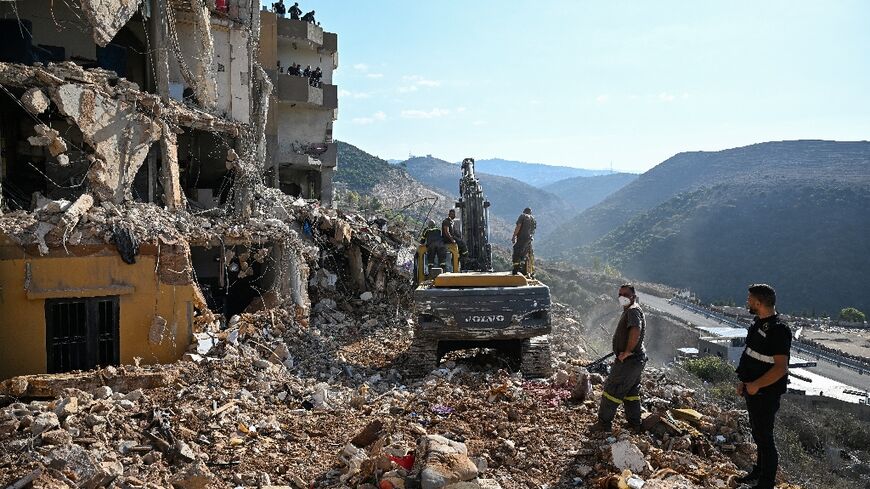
x=591, y=84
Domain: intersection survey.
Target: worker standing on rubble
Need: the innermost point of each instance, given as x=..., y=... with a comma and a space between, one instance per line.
x=436, y=253
x=763, y=373
x=623, y=383
x=524, y=233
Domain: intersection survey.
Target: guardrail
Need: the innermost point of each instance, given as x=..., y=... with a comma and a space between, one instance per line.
x=829, y=357
x=800, y=347
x=708, y=313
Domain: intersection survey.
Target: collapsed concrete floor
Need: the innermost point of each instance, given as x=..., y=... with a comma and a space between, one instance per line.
x=276, y=400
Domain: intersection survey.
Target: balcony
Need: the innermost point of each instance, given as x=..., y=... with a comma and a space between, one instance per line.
x=296, y=90
x=312, y=34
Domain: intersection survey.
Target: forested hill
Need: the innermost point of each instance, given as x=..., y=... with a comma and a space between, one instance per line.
x=793, y=213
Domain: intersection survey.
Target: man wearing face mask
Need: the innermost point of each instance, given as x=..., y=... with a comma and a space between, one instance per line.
x=763, y=373
x=623, y=384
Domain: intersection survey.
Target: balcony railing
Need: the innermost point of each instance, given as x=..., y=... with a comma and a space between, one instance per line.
x=296, y=30
x=296, y=90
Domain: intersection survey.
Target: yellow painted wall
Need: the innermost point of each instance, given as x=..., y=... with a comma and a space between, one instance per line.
x=22, y=319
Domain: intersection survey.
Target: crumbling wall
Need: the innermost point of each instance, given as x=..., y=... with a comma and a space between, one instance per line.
x=89, y=271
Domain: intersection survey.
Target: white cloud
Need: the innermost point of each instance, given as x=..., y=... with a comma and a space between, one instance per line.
x=602, y=99
x=376, y=117
x=361, y=67
x=460, y=110
x=356, y=95
x=422, y=114
x=479, y=123
x=667, y=97
x=408, y=89
x=421, y=81
x=374, y=75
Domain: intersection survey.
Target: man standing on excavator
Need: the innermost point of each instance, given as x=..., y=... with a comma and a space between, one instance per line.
x=623, y=383
x=450, y=234
x=522, y=239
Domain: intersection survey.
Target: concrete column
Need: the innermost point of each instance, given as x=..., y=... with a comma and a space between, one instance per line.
x=326, y=187
x=160, y=56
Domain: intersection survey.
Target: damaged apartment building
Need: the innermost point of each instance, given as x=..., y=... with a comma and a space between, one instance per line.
x=154, y=166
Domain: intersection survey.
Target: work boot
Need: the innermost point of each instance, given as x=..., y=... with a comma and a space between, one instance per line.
x=600, y=427
x=635, y=428
x=751, y=476
x=764, y=485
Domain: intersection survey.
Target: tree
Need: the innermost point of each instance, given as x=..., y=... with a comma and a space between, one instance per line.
x=852, y=315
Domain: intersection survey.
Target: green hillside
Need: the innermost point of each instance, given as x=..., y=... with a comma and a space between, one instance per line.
x=361, y=171
x=794, y=214
x=584, y=192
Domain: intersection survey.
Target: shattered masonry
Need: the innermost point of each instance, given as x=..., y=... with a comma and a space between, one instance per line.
x=136, y=176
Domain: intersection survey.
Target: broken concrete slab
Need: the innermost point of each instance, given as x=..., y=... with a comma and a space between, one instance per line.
x=120, y=135
x=53, y=385
x=107, y=17
x=626, y=455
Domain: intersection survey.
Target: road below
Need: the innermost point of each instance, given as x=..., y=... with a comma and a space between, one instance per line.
x=824, y=368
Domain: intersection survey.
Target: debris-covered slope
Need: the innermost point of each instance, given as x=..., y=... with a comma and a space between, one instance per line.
x=275, y=399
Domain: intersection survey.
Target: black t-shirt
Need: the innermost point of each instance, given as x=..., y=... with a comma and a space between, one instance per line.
x=450, y=229
x=527, y=227
x=766, y=337
x=632, y=317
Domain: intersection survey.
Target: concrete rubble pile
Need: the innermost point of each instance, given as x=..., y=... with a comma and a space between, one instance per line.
x=276, y=399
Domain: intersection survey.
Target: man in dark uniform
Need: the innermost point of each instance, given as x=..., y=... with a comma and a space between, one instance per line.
x=451, y=234
x=763, y=373
x=623, y=383
x=436, y=253
x=295, y=11
x=522, y=239
x=309, y=17
x=279, y=9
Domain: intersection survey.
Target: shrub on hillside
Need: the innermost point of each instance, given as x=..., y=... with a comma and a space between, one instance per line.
x=711, y=369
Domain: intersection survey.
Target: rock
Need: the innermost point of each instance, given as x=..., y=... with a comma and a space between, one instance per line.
x=44, y=422
x=108, y=472
x=194, y=476
x=35, y=101
x=561, y=377
x=366, y=296
x=626, y=455
x=488, y=484
x=75, y=460
x=583, y=388
x=67, y=406
x=444, y=462
x=103, y=392
x=56, y=437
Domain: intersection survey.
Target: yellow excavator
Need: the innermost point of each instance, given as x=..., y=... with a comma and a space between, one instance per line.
x=468, y=305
